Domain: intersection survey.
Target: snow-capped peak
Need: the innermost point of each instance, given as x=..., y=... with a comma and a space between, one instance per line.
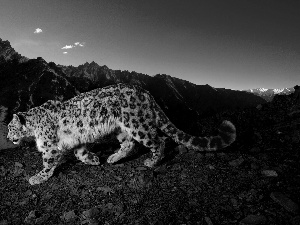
x=277, y=91
x=263, y=89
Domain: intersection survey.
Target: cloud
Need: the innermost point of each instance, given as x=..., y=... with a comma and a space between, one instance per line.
x=81, y=44
x=38, y=30
x=76, y=44
x=68, y=47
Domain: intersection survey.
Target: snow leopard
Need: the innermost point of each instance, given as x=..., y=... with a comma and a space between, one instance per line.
x=60, y=126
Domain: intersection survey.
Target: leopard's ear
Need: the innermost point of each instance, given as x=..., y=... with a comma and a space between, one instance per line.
x=21, y=119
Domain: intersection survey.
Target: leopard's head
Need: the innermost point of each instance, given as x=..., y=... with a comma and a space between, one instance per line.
x=17, y=128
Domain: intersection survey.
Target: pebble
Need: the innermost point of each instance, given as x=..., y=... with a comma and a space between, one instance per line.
x=208, y=220
x=253, y=220
x=91, y=213
x=269, y=173
x=41, y=220
x=118, y=178
x=209, y=155
x=28, y=193
x=17, y=164
x=25, y=201
x=105, y=190
x=140, y=168
x=211, y=167
x=30, y=219
x=69, y=216
x=3, y=171
x=285, y=202
x=236, y=162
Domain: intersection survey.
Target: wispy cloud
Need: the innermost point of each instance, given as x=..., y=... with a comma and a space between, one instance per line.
x=81, y=44
x=68, y=47
x=75, y=45
x=38, y=30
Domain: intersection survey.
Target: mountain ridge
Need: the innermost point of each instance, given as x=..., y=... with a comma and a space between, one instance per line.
x=8, y=53
x=269, y=93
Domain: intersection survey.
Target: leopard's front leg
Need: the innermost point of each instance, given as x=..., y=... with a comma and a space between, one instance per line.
x=51, y=157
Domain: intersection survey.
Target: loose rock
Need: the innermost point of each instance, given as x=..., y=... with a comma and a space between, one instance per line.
x=30, y=219
x=208, y=220
x=69, y=216
x=285, y=202
x=269, y=173
x=253, y=220
x=91, y=213
x=236, y=162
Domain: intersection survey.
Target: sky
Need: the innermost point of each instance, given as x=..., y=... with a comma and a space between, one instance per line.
x=235, y=44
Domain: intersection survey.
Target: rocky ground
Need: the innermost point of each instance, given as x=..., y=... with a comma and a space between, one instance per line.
x=4, y=142
x=254, y=181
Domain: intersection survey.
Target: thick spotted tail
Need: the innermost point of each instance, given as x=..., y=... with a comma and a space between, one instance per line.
x=226, y=136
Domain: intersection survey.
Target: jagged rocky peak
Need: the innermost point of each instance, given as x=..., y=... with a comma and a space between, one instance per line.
x=93, y=64
x=104, y=67
x=87, y=64
x=7, y=53
x=40, y=59
x=4, y=43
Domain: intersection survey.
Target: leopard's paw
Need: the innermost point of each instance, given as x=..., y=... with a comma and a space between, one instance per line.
x=113, y=158
x=36, y=179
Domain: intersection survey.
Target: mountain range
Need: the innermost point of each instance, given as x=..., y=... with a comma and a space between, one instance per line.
x=26, y=83
x=268, y=94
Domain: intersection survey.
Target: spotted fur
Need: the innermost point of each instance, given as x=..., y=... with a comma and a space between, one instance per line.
x=59, y=126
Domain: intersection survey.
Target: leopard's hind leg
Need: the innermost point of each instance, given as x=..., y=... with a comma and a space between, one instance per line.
x=157, y=147
x=150, y=139
x=127, y=145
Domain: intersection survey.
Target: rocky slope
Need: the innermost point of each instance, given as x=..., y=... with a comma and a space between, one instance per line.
x=4, y=142
x=254, y=181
